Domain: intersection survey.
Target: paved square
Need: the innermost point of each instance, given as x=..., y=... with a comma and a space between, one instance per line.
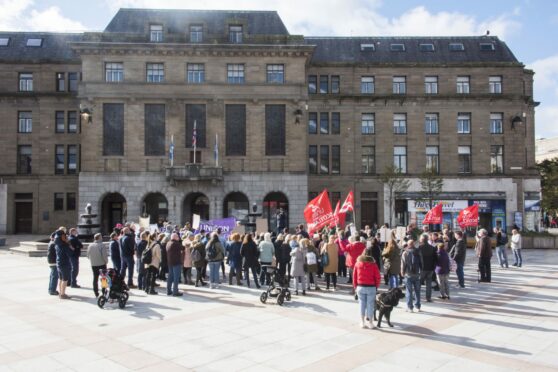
x=510, y=324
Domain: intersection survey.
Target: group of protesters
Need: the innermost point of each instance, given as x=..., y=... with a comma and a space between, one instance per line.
x=171, y=254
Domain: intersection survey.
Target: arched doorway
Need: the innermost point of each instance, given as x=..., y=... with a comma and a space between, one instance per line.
x=156, y=206
x=113, y=211
x=236, y=205
x=195, y=203
x=271, y=204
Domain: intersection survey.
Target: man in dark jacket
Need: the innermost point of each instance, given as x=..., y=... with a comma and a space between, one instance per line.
x=76, y=246
x=174, y=259
x=127, y=250
x=281, y=220
x=411, y=267
x=63, y=254
x=458, y=253
x=115, y=252
x=484, y=253
x=428, y=264
x=51, y=258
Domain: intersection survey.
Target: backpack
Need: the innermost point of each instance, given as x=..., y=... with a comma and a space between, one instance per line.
x=412, y=263
x=311, y=258
x=211, y=252
x=196, y=255
x=147, y=256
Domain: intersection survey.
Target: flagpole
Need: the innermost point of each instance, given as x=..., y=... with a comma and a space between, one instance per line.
x=195, y=141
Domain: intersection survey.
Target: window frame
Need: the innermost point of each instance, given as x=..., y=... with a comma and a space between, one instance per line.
x=324, y=159
x=483, y=47
x=367, y=87
x=71, y=206
x=236, y=73
x=368, y=157
x=155, y=72
x=367, y=47
x=399, y=84
x=60, y=81
x=462, y=118
x=427, y=47
x=199, y=34
x=71, y=86
x=313, y=79
x=463, y=84
x=58, y=201
x=4, y=41
x=323, y=81
x=431, y=123
x=365, y=123
x=335, y=123
x=114, y=72
x=29, y=163
x=461, y=156
x=324, y=119
x=72, y=168
x=335, y=164
x=58, y=114
x=236, y=36
x=495, y=86
x=59, y=160
x=156, y=31
x=456, y=47
x=433, y=159
x=195, y=74
x=335, y=84
x=313, y=117
x=497, y=159
x=313, y=155
x=400, y=123
x=275, y=73
x=25, y=124
x=72, y=114
x=496, y=123
x=400, y=159
x=25, y=81
x=431, y=87
x=397, y=47
x=34, y=42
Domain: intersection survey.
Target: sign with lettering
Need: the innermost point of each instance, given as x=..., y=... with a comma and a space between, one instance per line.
x=447, y=205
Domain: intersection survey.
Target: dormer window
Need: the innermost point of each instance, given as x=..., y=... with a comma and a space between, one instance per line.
x=397, y=47
x=367, y=47
x=4, y=41
x=156, y=33
x=235, y=34
x=426, y=47
x=34, y=42
x=487, y=47
x=456, y=47
x=196, y=34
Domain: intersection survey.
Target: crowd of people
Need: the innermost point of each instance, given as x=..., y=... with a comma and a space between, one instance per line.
x=422, y=258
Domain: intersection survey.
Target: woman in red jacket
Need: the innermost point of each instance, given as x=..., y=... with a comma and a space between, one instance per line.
x=366, y=280
x=353, y=250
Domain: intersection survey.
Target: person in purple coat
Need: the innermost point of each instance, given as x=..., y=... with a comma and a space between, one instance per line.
x=442, y=271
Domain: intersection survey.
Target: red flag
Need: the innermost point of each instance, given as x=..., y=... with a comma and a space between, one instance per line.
x=469, y=217
x=338, y=217
x=317, y=212
x=434, y=216
x=348, y=205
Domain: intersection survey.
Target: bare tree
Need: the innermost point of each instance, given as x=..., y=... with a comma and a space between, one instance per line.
x=431, y=184
x=395, y=182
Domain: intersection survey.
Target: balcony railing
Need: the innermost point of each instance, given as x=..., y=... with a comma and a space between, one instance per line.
x=194, y=172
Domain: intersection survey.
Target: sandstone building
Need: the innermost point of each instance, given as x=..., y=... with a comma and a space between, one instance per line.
x=277, y=118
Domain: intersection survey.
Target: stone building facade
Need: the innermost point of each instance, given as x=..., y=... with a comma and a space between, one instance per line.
x=278, y=118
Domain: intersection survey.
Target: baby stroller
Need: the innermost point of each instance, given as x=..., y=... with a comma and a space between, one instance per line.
x=113, y=287
x=278, y=286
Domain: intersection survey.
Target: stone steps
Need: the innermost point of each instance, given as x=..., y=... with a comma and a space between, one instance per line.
x=31, y=249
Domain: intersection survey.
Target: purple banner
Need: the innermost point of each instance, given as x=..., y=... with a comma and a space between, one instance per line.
x=226, y=225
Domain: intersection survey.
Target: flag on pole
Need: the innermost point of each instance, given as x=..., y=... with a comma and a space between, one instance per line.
x=171, y=151
x=194, y=140
x=434, y=216
x=338, y=217
x=317, y=212
x=216, y=150
x=348, y=205
x=469, y=217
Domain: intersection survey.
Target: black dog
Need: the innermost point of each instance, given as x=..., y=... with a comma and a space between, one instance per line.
x=385, y=302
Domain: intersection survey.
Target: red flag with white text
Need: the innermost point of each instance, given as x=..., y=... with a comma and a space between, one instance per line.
x=338, y=217
x=434, y=216
x=348, y=205
x=317, y=212
x=469, y=217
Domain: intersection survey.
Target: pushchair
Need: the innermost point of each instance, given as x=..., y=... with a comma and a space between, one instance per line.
x=278, y=286
x=113, y=287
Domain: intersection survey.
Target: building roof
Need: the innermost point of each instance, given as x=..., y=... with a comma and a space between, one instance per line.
x=176, y=21
x=348, y=50
x=53, y=48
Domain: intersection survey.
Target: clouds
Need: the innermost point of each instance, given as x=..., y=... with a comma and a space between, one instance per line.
x=22, y=16
x=546, y=91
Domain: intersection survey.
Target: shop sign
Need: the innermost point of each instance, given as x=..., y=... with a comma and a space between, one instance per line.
x=447, y=205
x=532, y=205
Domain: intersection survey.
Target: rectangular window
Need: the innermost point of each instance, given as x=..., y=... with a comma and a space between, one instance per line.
x=335, y=123
x=235, y=127
x=72, y=122
x=195, y=73
x=196, y=34
x=24, y=122
x=113, y=129
x=497, y=159
x=399, y=85
x=368, y=160
x=399, y=123
x=367, y=47
x=463, y=123
x=367, y=123
x=235, y=73
x=367, y=84
x=235, y=34
x=24, y=157
x=34, y=42
x=276, y=74
x=496, y=123
x=59, y=122
x=4, y=41
x=155, y=72
x=156, y=33
x=426, y=47
x=335, y=159
x=397, y=47
x=313, y=159
x=495, y=84
x=324, y=159
x=114, y=72
x=431, y=84
x=72, y=159
x=312, y=123
x=463, y=84
x=195, y=113
x=432, y=159
x=71, y=201
x=154, y=130
x=312, y=84
x=400, y=158
x=58, y=201
x=335, y=84
x=464, y=159
x=487, y=47
x=275, y=130
x=456, y=47
x=324, y=84
x=25, y=82
x=60, y=82
x=324, y=123
x=431, y=124
x=73, y=79
x=59, y=157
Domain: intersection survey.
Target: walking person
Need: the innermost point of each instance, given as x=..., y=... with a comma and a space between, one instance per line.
x=501, y=242
x=442, y=271
x=174, y=262
x=114, y=248
x=267, y=253
x=458, y=253
x=51, y=259
x=127, y=250
x=330, y=269
x=249, y=252
x=98, y=256
x=298, y=263
x=153, y=266
x=234, y=259
x=411, y=267
x=483, y=250
x=215, y=254
x=429, y=259
x=76, y=246
x=63, y=254
x=516, y=245
x=366, y=281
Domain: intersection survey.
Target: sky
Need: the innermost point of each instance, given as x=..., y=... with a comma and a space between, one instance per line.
x=529, y=27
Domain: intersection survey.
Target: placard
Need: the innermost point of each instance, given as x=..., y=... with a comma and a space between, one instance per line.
x=144, y=222
x=261, y=225
x=400, y=233
x=195, y=221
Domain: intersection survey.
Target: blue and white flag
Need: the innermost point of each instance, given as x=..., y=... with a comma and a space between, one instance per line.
x=216, y=150
x=171, y=151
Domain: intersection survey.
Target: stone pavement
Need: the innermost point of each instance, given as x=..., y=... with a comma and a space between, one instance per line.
x=510, y=324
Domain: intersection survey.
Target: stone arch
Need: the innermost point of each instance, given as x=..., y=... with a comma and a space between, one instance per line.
x=236, y=204
x=156, y=206
x=113, y=210
x=270, y=206
x=195, y=203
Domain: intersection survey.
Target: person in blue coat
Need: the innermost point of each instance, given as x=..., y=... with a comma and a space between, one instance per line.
x=63, y=256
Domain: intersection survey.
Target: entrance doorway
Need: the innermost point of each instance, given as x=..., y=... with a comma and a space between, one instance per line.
x=195, y=203
x=368, y=213
x=271, y=204
x=113, y=211
x=155, y=206
x=23, y=217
